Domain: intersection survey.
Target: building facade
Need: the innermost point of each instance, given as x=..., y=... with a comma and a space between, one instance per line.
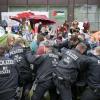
x=69, y=10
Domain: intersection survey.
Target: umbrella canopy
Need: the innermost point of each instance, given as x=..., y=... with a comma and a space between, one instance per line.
x=38, y=18
x=32, y=17
x=25, y=15
x=43, y=19
x=16, y=18
x=48, y=22
x=22, y=16
x=96, y=36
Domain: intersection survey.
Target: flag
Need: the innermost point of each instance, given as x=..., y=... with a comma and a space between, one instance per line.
x=58, y=14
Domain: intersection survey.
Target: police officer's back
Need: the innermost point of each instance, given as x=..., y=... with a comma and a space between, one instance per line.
x=48, y=65
x=67, y=70
x=18, y=53
x=8, y=77
x=24, y=57
x=92, y=92
x=94, y=71
x=43, y=80
x=69, y=64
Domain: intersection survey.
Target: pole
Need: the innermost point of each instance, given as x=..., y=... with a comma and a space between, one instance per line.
x=47, y=5
x=7, y=6
x=71, y=5
x=87, y=9
x=73, y=9
x=27, y=4
x=98, y=21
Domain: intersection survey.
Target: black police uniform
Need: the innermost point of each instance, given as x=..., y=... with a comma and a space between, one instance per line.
x=92, y=92
x=18, y=54
x=8, y=78
x=66, y=72
x=24, y=57
x=79, y=86
x=43, y=80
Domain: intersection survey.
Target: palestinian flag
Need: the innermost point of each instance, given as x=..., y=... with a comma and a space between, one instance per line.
x=58, y=14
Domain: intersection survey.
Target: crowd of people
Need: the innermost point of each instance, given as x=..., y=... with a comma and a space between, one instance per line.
x=64, y=62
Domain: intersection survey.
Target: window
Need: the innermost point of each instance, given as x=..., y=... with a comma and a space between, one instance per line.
x=17, y=8
x=99, y=17
x=90, y=13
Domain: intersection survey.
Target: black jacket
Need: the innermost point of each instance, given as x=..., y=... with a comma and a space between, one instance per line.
x=93, y=71
x=8, y=78
x=24, y=57
x=69, y=66
x=47, y=67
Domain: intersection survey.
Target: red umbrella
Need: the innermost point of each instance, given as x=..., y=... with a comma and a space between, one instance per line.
x=38, y=18
x=22, y=16
x=25, y=15
x=43, y=19
x=48, y=22
x=16, y=18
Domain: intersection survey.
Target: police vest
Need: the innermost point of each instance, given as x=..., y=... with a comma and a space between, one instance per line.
x=69, y=59
x=16, y=53
x=67, y=67
x=5, y=68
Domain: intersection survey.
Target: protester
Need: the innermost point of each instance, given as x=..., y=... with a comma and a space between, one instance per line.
x=74, y=27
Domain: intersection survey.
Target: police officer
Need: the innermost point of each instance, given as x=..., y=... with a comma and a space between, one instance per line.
x=8, y=77
x=22, y=55
x=67, y=70
x=43, y=81
x=92, y=92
